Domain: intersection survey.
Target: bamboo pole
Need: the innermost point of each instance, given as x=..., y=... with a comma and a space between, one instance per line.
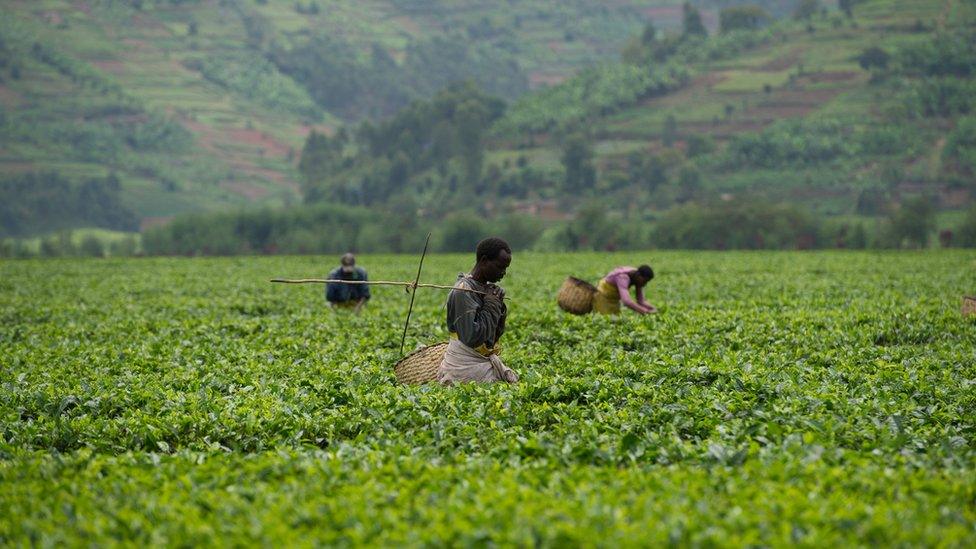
x=408, y=285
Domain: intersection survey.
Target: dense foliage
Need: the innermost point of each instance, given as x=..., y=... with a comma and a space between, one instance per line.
x=37, y=202
x=593, y=92
x=382, y=158
x=777, y=399
x=256, y=78
x=814, y=141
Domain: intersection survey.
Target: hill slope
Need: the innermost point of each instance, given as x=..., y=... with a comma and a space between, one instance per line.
x=230, y=88
x=847, y=117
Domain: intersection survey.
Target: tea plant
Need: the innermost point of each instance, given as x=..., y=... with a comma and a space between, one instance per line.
x=777, y=399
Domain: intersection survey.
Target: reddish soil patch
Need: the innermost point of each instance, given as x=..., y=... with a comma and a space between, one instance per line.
x=8, y=97
x=133, y=43
x=538, y=79
x=52, y=17
x=655, y=12
x=814, y=193
x=83, y=7
x=781, y=63
x=259, y=139
x=407, y=24
x=955, y=198
x=110, y=65
x=150, y=222
x=16, y=166
x=666, y=15
x=146, y=22
x=708, y=79
x=305, y=130
x=544, y=209
x=556, y=46
x=247, y=190
x=243, y=163
x=838, y=76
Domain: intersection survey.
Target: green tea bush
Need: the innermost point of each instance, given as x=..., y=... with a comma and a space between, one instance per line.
x=777, y=399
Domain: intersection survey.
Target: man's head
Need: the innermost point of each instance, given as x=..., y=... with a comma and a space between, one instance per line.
x=493, y=257
x=348, y=263
x=643, y=275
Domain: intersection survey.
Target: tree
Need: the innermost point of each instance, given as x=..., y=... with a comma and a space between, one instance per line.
x=742, y=18
x=966, y=232
x=689, y=183
x=913, y=222
x=699, y=144
x=859, y=238
x=670, y=133
x=649, y=33
x=691, y=21
x=806, y=9
x=461, y=231
x=873, y=57
x=960, y=150
x=471, y=120
x=91, y=246
x=847, y=6
x=578, y=162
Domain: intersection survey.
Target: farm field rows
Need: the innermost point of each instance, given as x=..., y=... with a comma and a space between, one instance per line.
x=778, y=399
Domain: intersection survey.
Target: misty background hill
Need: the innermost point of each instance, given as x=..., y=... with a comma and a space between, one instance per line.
x=566, y=125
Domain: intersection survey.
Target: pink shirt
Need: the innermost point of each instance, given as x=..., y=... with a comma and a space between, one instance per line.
x=620, y=277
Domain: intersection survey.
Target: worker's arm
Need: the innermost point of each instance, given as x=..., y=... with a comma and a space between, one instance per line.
x=624, y=291
x=476, y=323
x=501, y=321
x=643, y=302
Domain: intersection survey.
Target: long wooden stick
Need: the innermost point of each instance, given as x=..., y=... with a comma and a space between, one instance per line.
x=374, y=282
x=414, y=294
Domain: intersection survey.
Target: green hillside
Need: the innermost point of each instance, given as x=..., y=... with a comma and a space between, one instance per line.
x=826, y=118
x=203, y=104
x=834, y=128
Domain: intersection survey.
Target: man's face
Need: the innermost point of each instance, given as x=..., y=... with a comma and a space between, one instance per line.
x=495, y=268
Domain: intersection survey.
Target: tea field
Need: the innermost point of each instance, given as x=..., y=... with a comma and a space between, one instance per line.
x=785, y=398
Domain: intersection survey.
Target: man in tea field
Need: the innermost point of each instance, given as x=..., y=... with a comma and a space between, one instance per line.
x=476, y=320
x=347, y=296
x=615, y=287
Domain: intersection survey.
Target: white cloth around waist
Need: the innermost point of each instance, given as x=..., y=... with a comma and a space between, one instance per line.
x=462, y=364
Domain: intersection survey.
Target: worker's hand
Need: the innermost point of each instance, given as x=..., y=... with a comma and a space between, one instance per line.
x=497, y=291
x=651, y=309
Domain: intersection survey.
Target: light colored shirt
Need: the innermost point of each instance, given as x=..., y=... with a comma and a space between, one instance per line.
x=620, y=277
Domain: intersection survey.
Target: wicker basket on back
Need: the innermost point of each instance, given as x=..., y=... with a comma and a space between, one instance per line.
x=576, y=296
x=421, y=365
x=969, y=306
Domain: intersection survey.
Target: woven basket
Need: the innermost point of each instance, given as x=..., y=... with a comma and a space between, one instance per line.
x=421, y=365
x=576, y=296
x=969, y=306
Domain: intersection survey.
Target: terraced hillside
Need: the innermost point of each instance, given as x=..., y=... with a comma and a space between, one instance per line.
x=796, y=87
x=84, y=82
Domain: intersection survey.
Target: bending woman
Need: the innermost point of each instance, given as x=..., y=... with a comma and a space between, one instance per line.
x=615, y=287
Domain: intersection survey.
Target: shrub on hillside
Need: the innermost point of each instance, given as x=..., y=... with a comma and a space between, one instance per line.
x=748, y=17
x=960, y=148
x=33, y=203
x=966, y=232
x=737, y=225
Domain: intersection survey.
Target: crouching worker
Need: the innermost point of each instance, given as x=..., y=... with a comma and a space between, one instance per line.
x=477, y=320
x=347, y=296
x=615, y=287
